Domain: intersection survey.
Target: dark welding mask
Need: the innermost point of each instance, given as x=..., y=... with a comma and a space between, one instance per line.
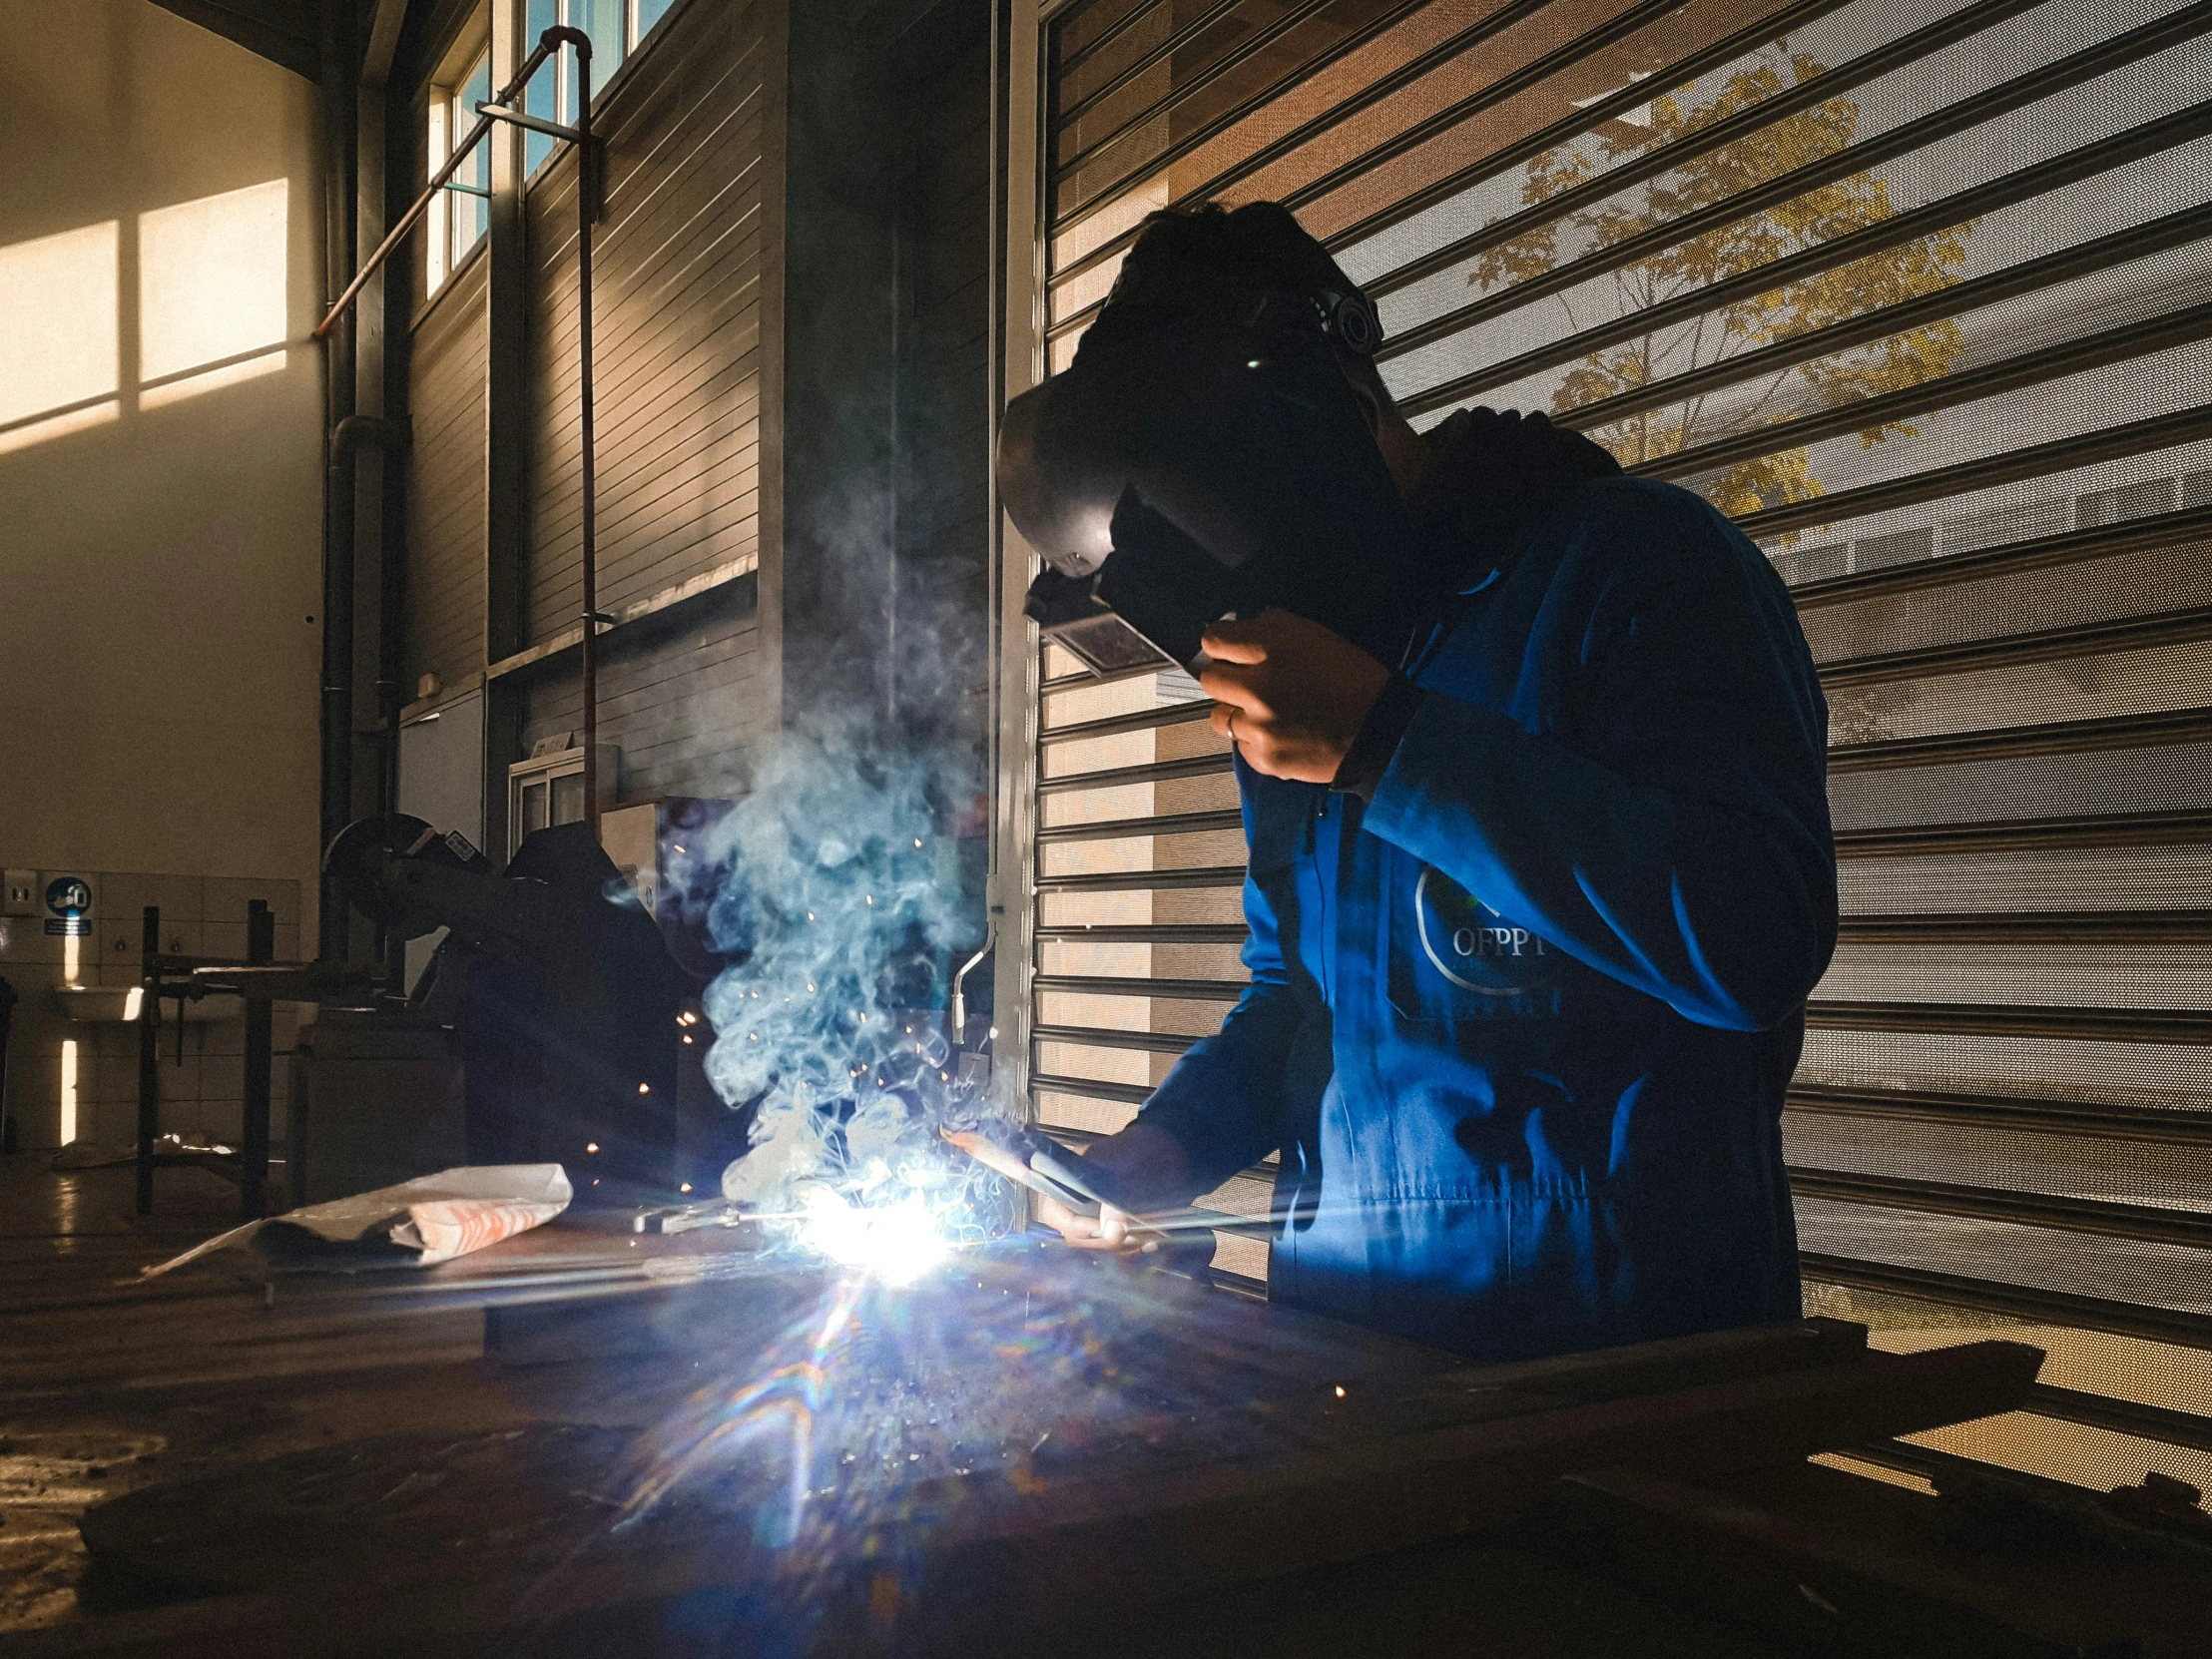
x=1204, y=459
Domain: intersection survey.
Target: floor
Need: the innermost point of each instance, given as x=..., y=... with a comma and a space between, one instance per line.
x=108, y=1383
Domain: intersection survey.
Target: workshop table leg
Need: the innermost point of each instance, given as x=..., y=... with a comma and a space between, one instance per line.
x=261, y=950
x=150, y=1075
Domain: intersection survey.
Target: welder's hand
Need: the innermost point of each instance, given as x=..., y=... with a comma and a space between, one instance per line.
x=1149, y=1161
x=1290, y=694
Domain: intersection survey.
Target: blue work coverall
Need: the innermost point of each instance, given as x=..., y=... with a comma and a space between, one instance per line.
x=1520, y=1025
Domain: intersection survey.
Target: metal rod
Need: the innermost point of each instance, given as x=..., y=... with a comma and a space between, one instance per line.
x=551, y=129
x=583, y=202
x=1120, y=828
x=2063, y=737
x=150, y=1059
x=2036, y=1305
x=547, y=43
x=261, y=948
x=1142, y=719
x=2184, y=1026
x=1139, y=880
x=2147, y=1224
x=2009, y=558
x=2069, y=167
x=2185, y=829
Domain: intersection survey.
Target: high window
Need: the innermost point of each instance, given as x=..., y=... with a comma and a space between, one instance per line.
x=615, y=27
x=459, y=221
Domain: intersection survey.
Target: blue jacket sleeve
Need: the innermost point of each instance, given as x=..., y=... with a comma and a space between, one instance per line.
x=1224, y=1099
x=1667, y=822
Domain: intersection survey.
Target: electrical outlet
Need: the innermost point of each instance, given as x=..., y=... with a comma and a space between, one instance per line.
x=19, y=895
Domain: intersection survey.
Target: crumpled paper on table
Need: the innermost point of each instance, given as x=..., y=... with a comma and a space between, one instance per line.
x=418, y=1223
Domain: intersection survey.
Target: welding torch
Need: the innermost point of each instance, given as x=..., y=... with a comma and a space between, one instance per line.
x=1042, y=1165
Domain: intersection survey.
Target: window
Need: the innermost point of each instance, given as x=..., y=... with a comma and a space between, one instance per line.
x=614, y=26
x=458, y=223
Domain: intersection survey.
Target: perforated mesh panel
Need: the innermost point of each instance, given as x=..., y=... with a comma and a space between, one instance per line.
x=1921, y=294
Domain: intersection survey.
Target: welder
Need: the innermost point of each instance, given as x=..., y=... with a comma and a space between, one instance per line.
x=1540, y=874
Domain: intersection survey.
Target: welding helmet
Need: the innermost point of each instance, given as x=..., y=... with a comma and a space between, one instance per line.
x=1203, y=457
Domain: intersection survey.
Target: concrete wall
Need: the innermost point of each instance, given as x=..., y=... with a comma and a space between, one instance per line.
x=160, y=413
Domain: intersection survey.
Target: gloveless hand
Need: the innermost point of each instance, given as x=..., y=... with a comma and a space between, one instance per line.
x=1150, y=1163
x=1289, y=693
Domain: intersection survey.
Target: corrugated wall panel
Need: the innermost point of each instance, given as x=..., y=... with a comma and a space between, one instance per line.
x=445, y=486
x=688, y=706
x=676, y=319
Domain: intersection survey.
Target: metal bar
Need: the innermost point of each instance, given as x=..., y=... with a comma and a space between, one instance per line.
x=1192, y=765
x=2066, y=737
x=1951, y=119
x=1088, y=1088
x=2009, y=558
x=1105, y=37
x=2147, y=1224
x=1138, y=880
x=261, y=950
x=2085, y=258
x=2182, y=1026
x=461, y=152
x=1140, y=720
x=1175, y=42
x=1081, y=680
x=1096, y=1036
x=2138, y=1125
x=1251, y=46
x=2136, y=437
x=1170, y=990
x=2030, y=369
x=2137, y=633
x=1147, y=934
x=2070, y=166
x=2052, y=927
x=2022, y=1302
x=1905, y=49
x=585, y=194
x=1585, y=120
x=149, y=1055
x=1119, y=829
x=2030, y=835
x=2123, y=1417
x=551, y=129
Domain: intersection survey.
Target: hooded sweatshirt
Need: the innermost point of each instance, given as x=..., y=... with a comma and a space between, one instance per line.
x=1520, y=1025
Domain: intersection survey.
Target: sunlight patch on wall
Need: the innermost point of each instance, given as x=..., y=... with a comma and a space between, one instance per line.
x=59, y=357
x=212, y=291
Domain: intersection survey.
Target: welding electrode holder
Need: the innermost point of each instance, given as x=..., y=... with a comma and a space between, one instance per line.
x=1199, y=463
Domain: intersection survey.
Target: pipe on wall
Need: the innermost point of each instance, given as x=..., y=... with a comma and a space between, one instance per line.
x=340, y=167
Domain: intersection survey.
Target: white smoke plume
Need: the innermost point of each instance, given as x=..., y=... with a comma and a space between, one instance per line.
x=837, y=916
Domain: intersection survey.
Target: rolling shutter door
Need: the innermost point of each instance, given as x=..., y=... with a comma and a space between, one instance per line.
x=1920, y=292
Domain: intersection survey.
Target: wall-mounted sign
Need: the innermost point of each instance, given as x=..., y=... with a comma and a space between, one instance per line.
x=68, y=897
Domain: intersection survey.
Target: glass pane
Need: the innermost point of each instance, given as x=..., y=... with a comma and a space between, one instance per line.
x=471, y=213
x=533, y=806
x=538, y=97
x=602, y=20
x=650, y=12
x=568, y=799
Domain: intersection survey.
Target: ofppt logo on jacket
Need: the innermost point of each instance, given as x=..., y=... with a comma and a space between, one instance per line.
x=1473, y=946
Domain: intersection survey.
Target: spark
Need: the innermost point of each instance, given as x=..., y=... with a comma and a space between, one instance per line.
x=895, y=1243
x=645, y=1088
x=591, y=1146
x=685, y=1188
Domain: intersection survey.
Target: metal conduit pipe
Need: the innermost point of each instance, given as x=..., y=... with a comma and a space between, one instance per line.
x=587, y=205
